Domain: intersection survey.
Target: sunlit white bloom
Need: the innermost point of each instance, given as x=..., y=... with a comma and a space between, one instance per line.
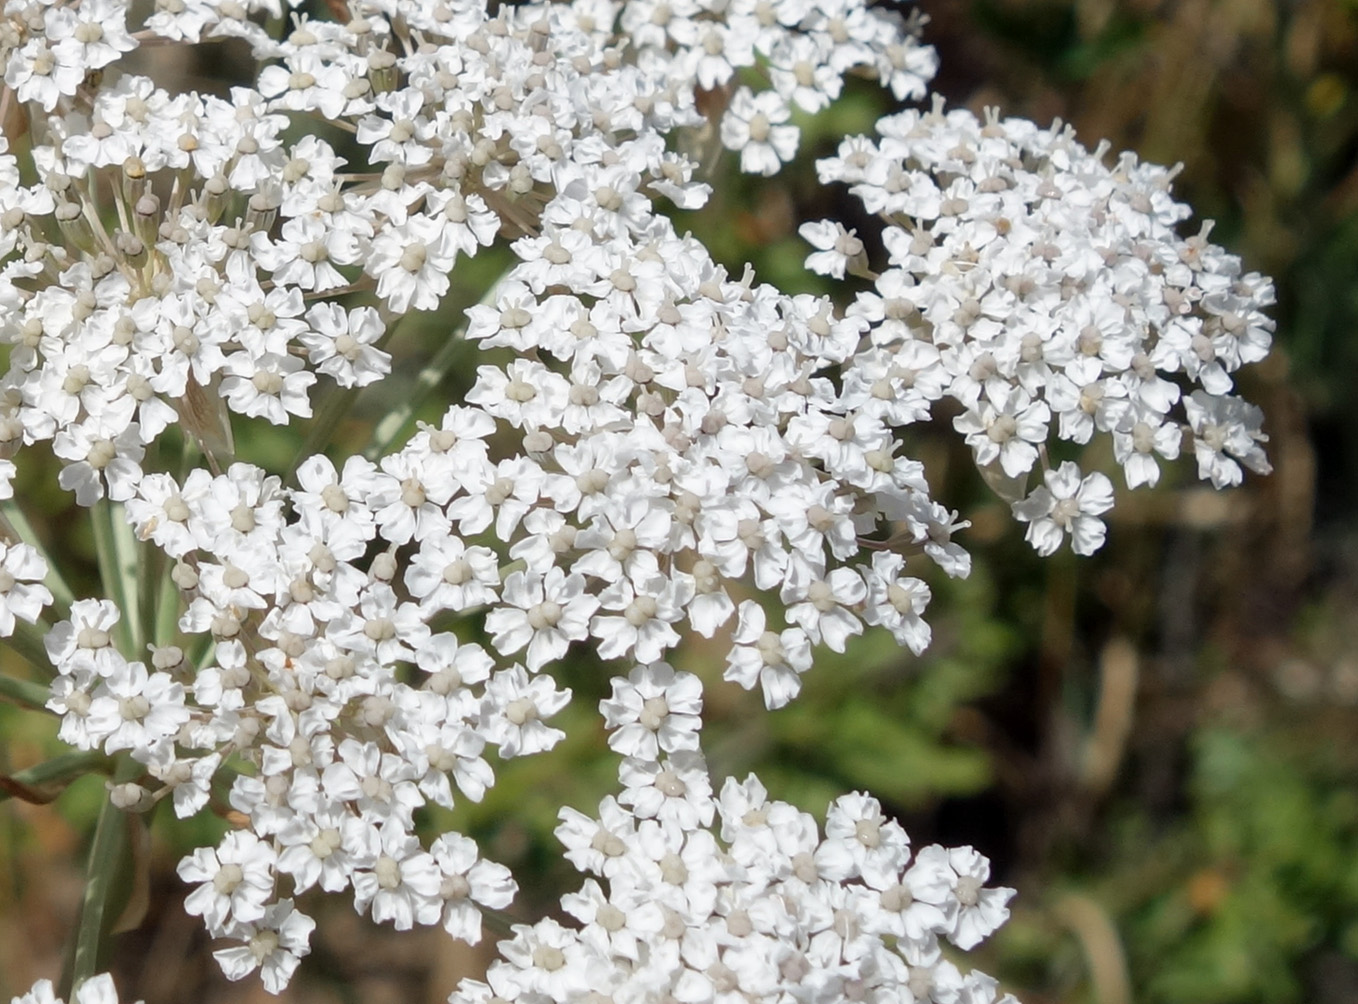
x=655, y=708
x=236, y=880
x=754, y=126
x=275, y=945
x=1067, y=503
x=22, y=594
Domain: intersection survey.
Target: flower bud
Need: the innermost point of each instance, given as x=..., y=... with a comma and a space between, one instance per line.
x=146, y=218
x=215, y=196
x=130, y=797
x=260, y=212
x=382, y=70
x=101, y=265
x=131, y=247
x=135, y=180
x=75, y=226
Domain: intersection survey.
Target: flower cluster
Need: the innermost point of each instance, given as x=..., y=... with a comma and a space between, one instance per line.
x=760, y=908
x=648, y=444
x=225, y=230
x=1047, y=292
x=314, y=596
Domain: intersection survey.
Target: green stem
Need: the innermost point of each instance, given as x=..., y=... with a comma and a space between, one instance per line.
x=337, y=403
x=499, y=922
x=148, y=579
x=24, y=693
x=201, y=649
x=399, y=419
x=106, y=854
x=167, y=607
x=116, y=549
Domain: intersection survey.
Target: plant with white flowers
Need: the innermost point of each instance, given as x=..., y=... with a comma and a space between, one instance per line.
x=661, y=433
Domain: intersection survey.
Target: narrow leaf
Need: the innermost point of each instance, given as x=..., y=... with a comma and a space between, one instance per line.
x=105, y=863
x=43, y=782
x=139, y=894
x=24, y=693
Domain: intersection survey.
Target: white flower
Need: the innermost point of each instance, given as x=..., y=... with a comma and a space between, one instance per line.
x=545, y=959
x=274, y=945
x=773, y=660
x=320, y=849
x=596, y=846
x=42, y=992
x=82, y=647
x=98, y=989
x=515, y=706
x=822, y=605
x=43, y=74
x=860, y=841
x=22, y=593
x=395, y=877
x=102, y=448
x=411, y=263
x=136, y=711
x=897, y=601
x=1006, y=430
x=341, y=344
x=1139, y=434
x=655, y=708
x=1067, y=504
x=237, y=880
x=676, y=790
x=650, y=603
x=753, y=126
x=92, y=35
x=982, y=910
x=468, y=884
x=543, y=612
x=270, y=385
x=837, y=249
x=446, y=574
x=659, y=438
x=1225, y=429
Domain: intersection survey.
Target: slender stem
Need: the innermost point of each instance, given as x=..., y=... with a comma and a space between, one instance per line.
x=167, y=606
x=499, y=922
x=146, y=38
x=25, y=693
x=106, y=854
x=337, y=403
x=400, y=418
x=205, y=418
x=149, y=562
x=116, y=549
x=108, y=565
x=6, y=100
x=363, y=283
x=199, y=656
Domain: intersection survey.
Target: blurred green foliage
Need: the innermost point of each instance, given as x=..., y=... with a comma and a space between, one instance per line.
x=1258, y=876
